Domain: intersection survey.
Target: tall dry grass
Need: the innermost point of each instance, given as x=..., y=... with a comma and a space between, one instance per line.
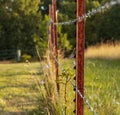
x=48, y=101
x=108, y=51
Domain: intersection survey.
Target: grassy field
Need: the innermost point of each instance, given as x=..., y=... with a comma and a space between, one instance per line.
x=102, y=86
x=21, y=87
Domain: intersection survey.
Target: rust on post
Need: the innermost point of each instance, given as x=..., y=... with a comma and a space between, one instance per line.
x=50, y=33
x=55, y=40
x=80, y=57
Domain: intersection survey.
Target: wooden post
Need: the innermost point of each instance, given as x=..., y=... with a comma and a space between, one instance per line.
x=18, y=55
x=80, y=58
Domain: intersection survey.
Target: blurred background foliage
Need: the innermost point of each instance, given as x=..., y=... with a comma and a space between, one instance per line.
x=23, y=24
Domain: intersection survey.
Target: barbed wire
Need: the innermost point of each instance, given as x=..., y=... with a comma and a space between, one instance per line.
x=88, y=14
x=83, y=97
x=77, y=90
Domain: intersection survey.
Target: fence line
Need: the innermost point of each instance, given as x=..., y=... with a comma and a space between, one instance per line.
x=76, y=88
x=79, y=19
x=15, y=54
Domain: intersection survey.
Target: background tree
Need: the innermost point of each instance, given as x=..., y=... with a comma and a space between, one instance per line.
x=91, y=27
x=20, y=23
x=65, y=13
x=109, y=25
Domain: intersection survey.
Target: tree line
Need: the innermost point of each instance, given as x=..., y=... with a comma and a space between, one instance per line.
x=23, y=24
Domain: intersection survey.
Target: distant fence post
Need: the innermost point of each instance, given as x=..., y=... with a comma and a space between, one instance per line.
x=18, y=55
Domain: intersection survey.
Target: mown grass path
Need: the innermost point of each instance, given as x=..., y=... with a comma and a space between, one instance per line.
x=18, y=90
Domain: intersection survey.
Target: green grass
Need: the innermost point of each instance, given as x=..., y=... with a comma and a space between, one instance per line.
x=19, y=92
x=101, y=84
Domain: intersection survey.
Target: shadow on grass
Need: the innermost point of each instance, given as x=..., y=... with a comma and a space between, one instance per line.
x=33, y=112
x=14, y=113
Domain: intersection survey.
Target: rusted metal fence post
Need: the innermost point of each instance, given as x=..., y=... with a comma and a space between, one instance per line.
x=50, y=33
x=55, y=40
x=80, y=57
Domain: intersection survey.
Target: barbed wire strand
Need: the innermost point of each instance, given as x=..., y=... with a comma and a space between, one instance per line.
x=89, y=13
x=83, y=97
x=77, y=90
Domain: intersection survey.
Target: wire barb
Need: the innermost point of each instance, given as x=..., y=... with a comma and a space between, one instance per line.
x=83, y=97
x=76, y=89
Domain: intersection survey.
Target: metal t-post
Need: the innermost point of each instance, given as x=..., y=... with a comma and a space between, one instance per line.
x=80, y=57
x=50, y=33
x=55, y=40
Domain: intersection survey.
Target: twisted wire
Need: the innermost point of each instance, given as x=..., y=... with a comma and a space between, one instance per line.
x=89, y=13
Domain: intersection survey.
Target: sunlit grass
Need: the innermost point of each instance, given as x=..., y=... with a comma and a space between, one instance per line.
x=18, y=89
x=103, y=51
x=102, y=85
